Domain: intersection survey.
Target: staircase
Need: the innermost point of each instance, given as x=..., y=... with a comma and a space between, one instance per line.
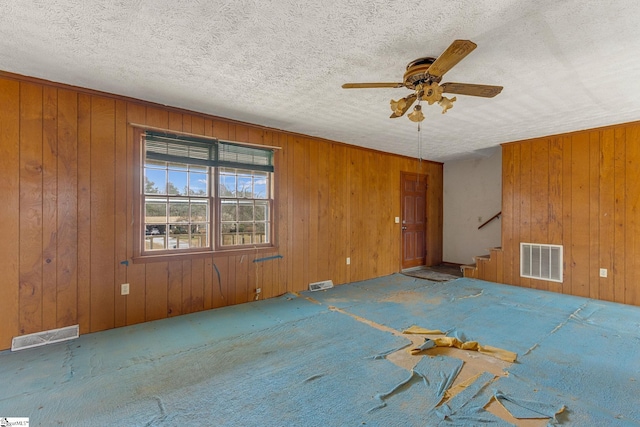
x=486, y=267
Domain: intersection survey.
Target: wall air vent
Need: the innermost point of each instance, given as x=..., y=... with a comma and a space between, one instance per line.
x=321, y=286
x=542, y=262
x=46, y=337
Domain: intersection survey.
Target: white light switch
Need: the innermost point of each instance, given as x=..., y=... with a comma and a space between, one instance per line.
x=397, y=220
x=124, y=289
x=603, y=272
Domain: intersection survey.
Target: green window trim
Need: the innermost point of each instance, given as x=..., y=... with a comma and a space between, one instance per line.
x=204, y=152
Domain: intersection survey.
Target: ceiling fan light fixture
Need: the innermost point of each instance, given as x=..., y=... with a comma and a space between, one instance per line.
x=398, y=106
x=446, y=103
x=416, y=115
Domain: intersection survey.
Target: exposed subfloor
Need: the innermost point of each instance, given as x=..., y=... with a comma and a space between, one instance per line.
x=340, y=357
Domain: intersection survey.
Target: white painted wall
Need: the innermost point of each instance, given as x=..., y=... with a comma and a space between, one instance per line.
x=472, y=195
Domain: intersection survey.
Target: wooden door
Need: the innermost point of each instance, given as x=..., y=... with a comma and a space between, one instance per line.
x=414, y=219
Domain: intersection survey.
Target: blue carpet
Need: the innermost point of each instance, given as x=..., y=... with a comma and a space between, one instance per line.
x=279, y=362
x=291, y=362
x=572, y=351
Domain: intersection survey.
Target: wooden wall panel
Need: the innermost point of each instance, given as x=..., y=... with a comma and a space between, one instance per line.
x=619, y=190
x=10, y=169
x=69, y=183
x=526, y=201
x=67, y=209
x=606, y=220
x=312, y=182
x=594, y=214
x=632, y=216
x=591, y=197
x=49, y=206
x=435, y=216
x=555, y=200
x=84, y=213
x=102, y=171
x=579, y=268
x=120, y=212
x=567, y=151
x=539, y=199
x=507, y=219
x=174, y=289
x=31, y=193
x=357, y=228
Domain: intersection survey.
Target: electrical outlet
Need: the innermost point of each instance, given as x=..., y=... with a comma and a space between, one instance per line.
x=258, y=290
x=348, y=260
x=124, y=289
x=603, y=272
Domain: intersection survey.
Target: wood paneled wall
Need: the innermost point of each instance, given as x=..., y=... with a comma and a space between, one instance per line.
x=66, y=173
x=580, y=190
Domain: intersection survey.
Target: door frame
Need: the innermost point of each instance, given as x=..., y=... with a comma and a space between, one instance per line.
x=420, y=177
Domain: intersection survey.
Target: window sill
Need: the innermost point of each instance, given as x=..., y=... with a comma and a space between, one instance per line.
x=143, y=259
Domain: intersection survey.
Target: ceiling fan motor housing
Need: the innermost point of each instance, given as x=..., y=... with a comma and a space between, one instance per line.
x=417, y=73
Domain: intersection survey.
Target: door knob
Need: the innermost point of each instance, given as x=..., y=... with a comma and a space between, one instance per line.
x=404, y=227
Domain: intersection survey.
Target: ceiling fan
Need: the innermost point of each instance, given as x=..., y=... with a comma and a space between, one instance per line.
x=423, y=76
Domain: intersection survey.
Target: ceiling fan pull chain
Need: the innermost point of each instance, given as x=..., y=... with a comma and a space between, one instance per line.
x=419, y=144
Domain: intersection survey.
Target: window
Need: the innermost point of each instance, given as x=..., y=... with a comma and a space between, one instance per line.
x=203, y=195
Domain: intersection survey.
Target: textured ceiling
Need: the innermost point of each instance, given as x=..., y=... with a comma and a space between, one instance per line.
x=565, y=65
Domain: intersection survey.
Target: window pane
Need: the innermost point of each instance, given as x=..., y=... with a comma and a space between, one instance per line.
x=156, y=211
x=261, y=211
x=245, y=211
x=177, y=183
x=228, y=235
x=155, y=229
x=229, y=211
x=260, y=185
x=155, y=181
x=199, y=236
x=198, y=184
x=179, y=210
x=245, y=227
x=154, y=242
x=178, y=236
x=250, y=206
x=259, y=230
x=199, y=210
x=245, y=187
x=227, y=185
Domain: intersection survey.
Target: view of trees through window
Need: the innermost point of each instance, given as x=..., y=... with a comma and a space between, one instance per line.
x=178, y=202
x=244, y=206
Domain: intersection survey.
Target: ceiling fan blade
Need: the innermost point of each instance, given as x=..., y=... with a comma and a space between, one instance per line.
x=409, y=100
x=450, y=57
x=472, y=89
x=370, y=85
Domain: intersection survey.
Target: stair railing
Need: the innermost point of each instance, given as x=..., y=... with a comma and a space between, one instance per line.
x=496, y=216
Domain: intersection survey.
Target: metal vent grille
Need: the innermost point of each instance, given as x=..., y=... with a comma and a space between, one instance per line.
x=319, y=286
x=542, y=262
x=46, y=337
